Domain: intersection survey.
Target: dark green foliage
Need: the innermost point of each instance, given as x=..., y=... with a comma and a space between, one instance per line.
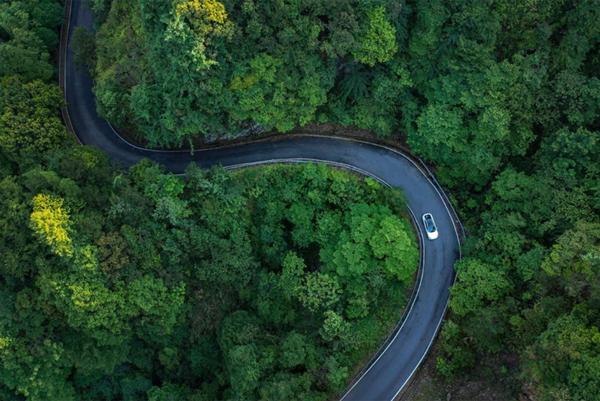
x=530, y=283
x=29, y=105
x=528, y=287
x=29, y=33
x=217, y=287
x=211, y=67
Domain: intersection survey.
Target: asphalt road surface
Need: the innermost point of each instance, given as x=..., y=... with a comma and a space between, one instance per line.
x=399, y=358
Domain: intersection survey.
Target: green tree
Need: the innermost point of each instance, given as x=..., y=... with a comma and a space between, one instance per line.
x=377, y=43
x=373, y=236
x=29, y=119
x=477, y=285
x=334, y=327
x=295, y=348
x=562, y=360
x=319, y=291
x=28, y=34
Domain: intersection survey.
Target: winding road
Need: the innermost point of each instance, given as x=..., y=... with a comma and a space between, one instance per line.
x=395, y=364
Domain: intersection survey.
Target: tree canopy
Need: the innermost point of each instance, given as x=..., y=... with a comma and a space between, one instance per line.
x=210, y=67
x=217, y=286
x=274, y=283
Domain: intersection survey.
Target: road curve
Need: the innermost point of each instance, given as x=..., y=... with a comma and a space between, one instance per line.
x=397, y=361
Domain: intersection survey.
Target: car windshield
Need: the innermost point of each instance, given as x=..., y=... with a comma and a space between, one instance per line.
x=429, y=224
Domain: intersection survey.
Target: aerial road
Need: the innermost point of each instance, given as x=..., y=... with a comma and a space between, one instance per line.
x=395, y=364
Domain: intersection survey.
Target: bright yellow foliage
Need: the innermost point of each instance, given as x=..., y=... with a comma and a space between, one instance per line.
x=211, y=11
x=50, y=220
x=196, y=23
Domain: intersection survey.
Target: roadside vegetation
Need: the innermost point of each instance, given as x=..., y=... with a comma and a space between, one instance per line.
x=269, y=283
x=137, y=285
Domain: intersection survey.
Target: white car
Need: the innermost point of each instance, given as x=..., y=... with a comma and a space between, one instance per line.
x=430, y=227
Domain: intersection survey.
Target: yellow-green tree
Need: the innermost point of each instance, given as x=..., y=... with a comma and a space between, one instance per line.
x=50, y=220
x=195, y=23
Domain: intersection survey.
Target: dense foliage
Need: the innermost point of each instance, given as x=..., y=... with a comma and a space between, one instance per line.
x=513, y=121
x=503, y=96
x=271, y=284
x=138, y=285
x=29, y=123
x=209, y=67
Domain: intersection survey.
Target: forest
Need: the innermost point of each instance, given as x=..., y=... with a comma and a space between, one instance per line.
x=264, y=284
x=139, y=285
x=217, y=287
